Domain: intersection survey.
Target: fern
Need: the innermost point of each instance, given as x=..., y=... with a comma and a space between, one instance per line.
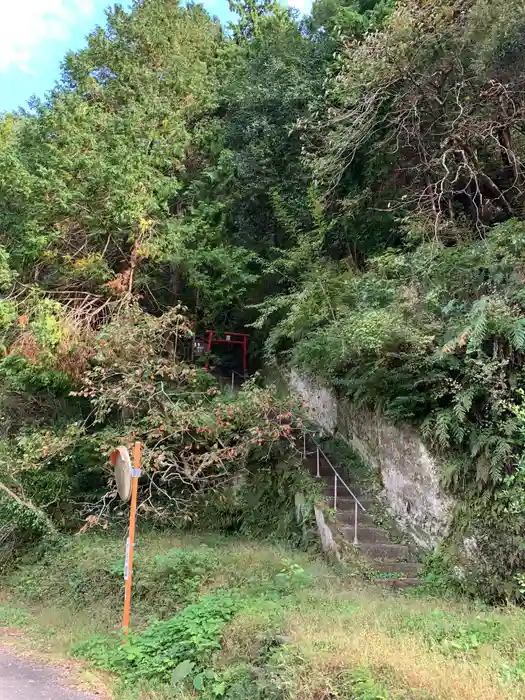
x=517, y=334
x=457, y=431
x=442, y=428
x=463, y=403
x=454, y=473
x=499, y=459
x=478, y=442
x=478, y=332
x=427, y=428
x=493, y=454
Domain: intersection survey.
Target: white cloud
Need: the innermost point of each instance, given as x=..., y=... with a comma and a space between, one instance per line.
x=28, y=24
x=304, y=6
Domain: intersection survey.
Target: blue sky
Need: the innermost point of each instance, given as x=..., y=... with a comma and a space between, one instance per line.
x=35, y=35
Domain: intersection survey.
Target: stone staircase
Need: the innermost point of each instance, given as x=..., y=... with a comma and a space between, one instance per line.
x=392, y=564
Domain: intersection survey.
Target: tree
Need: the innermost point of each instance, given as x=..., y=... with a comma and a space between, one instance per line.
x=252, y=15
x=350, y=18
x=98, y=168
x=434, y=109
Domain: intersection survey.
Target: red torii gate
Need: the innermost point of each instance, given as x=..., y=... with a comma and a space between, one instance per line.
x=232, y=339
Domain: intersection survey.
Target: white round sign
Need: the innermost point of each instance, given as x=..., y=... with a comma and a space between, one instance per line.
x=123, y=471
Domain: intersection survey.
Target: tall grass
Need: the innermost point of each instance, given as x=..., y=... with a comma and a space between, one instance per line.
x=302, y=630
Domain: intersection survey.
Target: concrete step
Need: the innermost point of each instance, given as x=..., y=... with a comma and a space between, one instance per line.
x=326, y=477
x=409, y=568
x=382, y=554
x=347, y=517
x=365, y=534
x=343, y=496
x=327, y=486
x=326, y=473
x=346, y=502
x=385, y=552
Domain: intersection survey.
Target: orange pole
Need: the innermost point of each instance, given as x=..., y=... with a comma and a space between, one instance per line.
x=131, y=542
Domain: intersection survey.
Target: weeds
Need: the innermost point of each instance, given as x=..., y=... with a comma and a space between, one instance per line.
x=236, y=620
x=173, y=648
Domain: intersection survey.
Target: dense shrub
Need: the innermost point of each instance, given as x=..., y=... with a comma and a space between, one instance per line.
x=350, y=186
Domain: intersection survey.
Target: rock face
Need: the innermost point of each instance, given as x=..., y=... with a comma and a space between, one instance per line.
x=409, y=474
x=319, y=401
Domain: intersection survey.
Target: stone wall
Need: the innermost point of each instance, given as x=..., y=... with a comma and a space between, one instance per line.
x=319, y=401
x=409, y=474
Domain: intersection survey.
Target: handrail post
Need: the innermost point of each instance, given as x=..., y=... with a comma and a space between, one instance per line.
x=335, y=491
x=341, y=480
x=356, y=541
x=318, y=472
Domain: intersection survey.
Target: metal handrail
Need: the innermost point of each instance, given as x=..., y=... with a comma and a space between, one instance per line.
x=234, y=372
x=342, y=480
x=337, y=478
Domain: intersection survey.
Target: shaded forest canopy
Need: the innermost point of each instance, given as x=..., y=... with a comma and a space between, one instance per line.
x=350, y=186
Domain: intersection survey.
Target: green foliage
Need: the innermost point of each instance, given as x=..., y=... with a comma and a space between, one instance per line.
x=125, y=81
x=347, y=185
x=431, y=335
x=211, y=457
x=353, y=18
x=267, y=623
x=7, y=275
x=449, y=634
x=22, y=375
x=173, y=648
x=180, y=209
x=362, y=686
x=176, y=576
x=388, y=324
x=21, y=529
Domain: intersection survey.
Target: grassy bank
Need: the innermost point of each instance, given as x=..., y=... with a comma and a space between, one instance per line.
x=225, y=618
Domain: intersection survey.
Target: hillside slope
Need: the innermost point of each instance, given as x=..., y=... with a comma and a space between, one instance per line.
x=254, y=621
x=347, y=187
